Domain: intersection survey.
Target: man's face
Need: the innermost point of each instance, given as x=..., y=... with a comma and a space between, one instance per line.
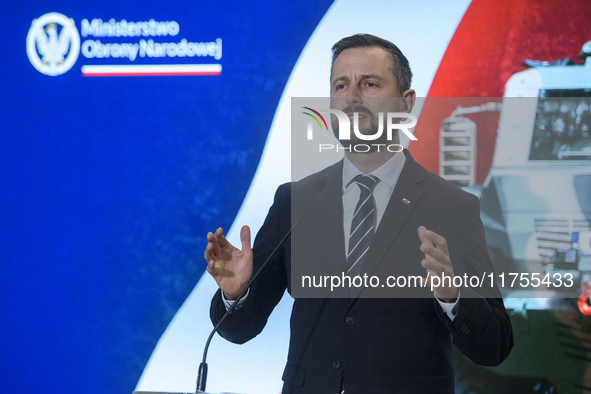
x=363, y=81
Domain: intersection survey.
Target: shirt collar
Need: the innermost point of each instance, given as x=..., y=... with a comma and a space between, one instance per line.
x=389, y=172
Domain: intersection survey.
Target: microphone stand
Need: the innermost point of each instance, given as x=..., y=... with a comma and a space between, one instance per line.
x=202, y=373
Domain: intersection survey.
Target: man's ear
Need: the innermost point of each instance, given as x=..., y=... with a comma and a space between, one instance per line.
x=409, y=98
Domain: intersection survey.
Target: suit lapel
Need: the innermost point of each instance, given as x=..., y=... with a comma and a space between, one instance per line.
x=330, y=214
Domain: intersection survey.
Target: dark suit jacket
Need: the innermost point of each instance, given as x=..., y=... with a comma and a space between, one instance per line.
x=377, y=345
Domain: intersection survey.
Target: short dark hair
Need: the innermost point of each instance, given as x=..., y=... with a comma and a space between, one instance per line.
x=400, y=67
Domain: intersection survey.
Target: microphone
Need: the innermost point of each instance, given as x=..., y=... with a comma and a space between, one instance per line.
x=202, y=373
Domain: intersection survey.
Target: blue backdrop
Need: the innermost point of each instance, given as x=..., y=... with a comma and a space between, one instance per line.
x=109, y=184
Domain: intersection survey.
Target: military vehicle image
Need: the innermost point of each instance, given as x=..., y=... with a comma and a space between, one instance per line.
x=536, y=210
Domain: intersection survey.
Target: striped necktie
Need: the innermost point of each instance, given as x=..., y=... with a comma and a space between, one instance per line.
x=363, y=224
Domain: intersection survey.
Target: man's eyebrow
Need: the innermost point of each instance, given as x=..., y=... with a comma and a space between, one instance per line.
x=339, y=79
x=362, y=77
x=372, y=76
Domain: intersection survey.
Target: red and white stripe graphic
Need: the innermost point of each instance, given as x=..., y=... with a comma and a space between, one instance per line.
x=151, y=70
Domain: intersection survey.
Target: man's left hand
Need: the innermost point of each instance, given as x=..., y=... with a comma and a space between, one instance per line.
x=437, y=263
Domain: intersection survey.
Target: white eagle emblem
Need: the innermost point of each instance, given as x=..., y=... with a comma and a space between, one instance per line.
x=50, y=51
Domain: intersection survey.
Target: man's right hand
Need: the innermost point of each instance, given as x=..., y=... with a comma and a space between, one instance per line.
x=231, y=268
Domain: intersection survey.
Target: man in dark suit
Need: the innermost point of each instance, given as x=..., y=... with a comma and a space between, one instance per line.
x=425, y=227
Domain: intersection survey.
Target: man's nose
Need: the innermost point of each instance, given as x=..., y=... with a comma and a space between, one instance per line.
x=354, y=96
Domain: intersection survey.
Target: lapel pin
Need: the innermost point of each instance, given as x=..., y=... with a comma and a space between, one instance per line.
x=406, y=201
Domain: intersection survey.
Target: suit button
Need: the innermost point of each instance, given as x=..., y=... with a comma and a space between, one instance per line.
x=336, y=364
x=350, y=321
